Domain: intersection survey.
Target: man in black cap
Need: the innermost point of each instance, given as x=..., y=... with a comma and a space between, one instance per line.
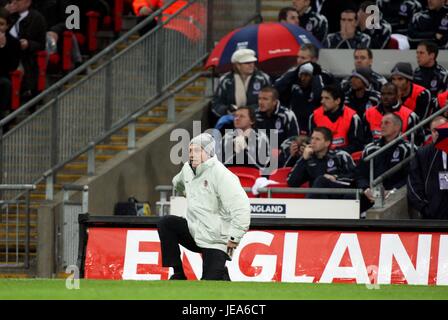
x=412, y=96
x=360, y=95
x=429, y=73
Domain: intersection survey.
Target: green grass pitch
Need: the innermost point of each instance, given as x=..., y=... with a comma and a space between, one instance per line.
x=202, y=290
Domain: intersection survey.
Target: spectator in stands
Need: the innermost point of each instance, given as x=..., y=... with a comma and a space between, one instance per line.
x=343, y=122
x=30, y=29
x=305, y=96
x=380, y=37
x=143, y=9
x=429, y=73
x=431, y=24
x=427, y=185
x=360, y=96
x=307, y=53
x=291, y=150
x=245, y=146
x=272, y=116
x=321, y=166
x=9, y=57
x=389, y=104
x=54, y=13
x=288, y=15
x=348, y=37
x=332, y=11
x=238, y=88
x=391, y=127
x=363, y=58
x=218, y=213
x=310, y=20
x=412, y=96
x=399, y=13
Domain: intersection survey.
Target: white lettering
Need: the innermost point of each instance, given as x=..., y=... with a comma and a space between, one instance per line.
x=391, y=246
x=289, y=260
x=134, y=257
x=264, y=264
x=358, y=269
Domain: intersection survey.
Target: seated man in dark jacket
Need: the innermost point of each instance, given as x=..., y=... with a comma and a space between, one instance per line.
x=322, y=167
x=391, y=125
x=427, y=192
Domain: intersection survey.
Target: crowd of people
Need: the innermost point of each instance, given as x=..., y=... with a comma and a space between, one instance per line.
x=326, y=125
x=31, y=26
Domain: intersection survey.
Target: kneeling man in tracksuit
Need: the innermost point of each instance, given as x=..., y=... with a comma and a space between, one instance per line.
x=218, y=213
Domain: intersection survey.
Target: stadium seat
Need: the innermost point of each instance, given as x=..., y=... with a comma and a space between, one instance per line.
x=42, y=64
x=356, y=156
x=393, y=44
x=118, y=15
x=16, y=83
x=92, y=29
x=247, y=176
x=280, y=175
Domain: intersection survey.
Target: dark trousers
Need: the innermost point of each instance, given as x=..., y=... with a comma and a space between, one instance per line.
x=173, y=231
x=5, y=95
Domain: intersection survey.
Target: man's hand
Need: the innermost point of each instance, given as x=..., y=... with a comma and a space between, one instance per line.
x=330, y=177
x=2, y=40
x=369, y=194
x=53, y=35
x=24, y=44
x=308, y=152
x=230, y=247
x=294, y=149
x=145, y=11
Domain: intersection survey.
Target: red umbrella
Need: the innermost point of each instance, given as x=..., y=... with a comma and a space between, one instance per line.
x=276, y=45
x=442, y=140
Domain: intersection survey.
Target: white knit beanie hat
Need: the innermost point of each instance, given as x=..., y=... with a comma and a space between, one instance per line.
x=206, y=142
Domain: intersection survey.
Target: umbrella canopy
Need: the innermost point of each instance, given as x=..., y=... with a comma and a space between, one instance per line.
x=442, y=140
x=275, y=43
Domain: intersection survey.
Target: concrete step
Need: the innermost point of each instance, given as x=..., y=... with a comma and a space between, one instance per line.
x=67, y=178
x=110, y=147
x=140, y=129
x=154, y=120
x=98, y=157
x=13, y=275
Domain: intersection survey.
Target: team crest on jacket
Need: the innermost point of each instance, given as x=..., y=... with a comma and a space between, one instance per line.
x=330, y=163
x=444, y=22
x=434, y=83
x=278, y=124
x=257, y=86
x=309, y=26
x=205, y=183
x=403, y=8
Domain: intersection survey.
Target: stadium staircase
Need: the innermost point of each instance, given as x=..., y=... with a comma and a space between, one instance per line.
x=76, y=169
x=104, y=152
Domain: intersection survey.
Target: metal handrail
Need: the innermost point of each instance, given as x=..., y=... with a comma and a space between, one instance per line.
x=150, y=104
x=17, y=187
x=407, y=133
x=109, y=49
x=331, y=191
x=379, y=202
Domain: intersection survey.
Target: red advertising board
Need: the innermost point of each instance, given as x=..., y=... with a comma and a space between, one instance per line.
x=364, y=257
